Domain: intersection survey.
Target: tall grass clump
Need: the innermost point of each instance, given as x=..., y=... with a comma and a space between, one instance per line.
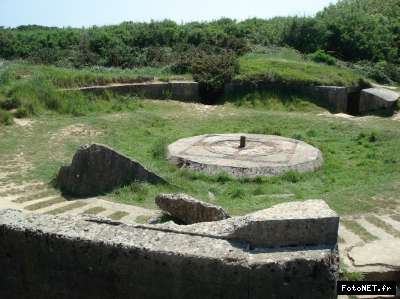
x=6, y=117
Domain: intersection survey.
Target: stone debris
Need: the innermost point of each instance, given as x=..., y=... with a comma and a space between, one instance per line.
x=97, y=169
x=188, y=209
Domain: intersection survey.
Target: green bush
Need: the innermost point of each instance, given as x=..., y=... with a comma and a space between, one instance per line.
x=292, y=177
x=321, y=56
x=6, y=118
x=382, y=72
x=212, y=71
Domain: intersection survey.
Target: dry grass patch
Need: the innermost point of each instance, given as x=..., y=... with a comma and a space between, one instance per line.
x=94, y=211
x=118, y=215
x=66, y=208
x=44, y=204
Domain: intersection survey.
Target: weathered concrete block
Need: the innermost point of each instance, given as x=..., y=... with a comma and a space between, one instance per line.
x=43, y=256
x=377, y=98
x=188, y=209
x=96, y=169
x=289, y=224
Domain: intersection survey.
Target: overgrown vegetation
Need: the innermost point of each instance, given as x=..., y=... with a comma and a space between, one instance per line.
x=366, y=31
x=30, y=90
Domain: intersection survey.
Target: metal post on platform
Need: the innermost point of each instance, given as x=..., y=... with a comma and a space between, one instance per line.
x=242, y=142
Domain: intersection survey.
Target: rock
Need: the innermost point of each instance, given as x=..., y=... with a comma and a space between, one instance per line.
x=188, y=209
x=377, y=98
x=97, y=169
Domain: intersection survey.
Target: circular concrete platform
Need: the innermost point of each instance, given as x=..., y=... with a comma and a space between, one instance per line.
x=262, y=155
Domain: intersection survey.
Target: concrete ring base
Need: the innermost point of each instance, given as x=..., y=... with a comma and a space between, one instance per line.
x=263, y=155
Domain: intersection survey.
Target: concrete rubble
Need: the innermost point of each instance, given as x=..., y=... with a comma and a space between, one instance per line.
x=97, y=169
x=188, y=209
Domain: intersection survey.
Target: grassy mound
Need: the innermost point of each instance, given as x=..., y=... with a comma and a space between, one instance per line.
x=255, y=67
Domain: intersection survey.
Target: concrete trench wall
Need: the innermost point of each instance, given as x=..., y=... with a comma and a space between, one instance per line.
x=350, y=100
x=334, y=98
x=174, y=90
x=43, y=256
x=337, y=99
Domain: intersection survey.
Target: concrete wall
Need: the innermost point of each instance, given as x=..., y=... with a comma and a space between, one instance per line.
x=43, y=256
x=334, y=98
x=175, y=90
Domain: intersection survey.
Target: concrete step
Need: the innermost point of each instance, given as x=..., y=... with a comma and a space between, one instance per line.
x=374, y=230
x=44, y=204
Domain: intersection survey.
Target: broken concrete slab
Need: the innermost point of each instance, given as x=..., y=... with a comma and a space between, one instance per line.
x=188, y=209
x=43, y=256
x=97, y=169
x=377, y=98
x=388, y=253
x=305, y=223
x=379, y=260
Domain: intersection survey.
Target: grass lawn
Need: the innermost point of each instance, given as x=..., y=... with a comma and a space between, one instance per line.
x=360, y=172
x=263, y=67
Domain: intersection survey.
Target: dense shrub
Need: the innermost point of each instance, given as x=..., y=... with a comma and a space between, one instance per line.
x=350, y=29
x=212, y=71
x=382, y=72
x=321, y=56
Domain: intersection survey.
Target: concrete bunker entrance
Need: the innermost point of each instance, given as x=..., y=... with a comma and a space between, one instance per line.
x=353, y=104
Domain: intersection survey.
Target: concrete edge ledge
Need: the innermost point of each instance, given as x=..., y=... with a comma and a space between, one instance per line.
x=175, y=90
x=70, y=257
